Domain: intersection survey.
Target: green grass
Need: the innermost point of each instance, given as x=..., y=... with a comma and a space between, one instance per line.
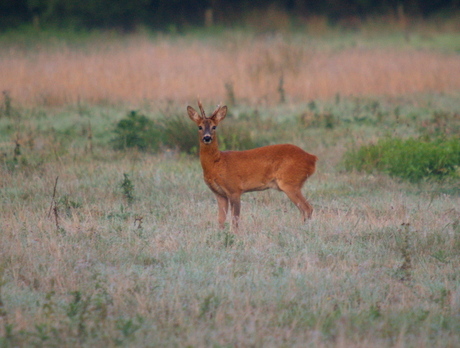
x=127, y=251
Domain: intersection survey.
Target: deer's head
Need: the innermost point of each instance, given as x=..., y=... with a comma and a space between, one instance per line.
x=207, y=125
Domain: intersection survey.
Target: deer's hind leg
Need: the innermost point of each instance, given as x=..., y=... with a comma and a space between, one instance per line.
x=295, y=195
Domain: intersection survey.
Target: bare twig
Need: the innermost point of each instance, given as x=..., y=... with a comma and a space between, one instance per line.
x=56, y=216
x=406, y=266
x=53, y=200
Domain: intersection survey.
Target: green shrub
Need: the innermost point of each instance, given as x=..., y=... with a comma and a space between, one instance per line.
x=410, y=159
x=176, y=132
x=137, y=131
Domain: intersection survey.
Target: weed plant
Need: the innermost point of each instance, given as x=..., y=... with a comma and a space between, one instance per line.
x=128, y=188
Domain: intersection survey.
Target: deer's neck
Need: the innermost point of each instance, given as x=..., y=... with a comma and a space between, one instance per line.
x=209, y=155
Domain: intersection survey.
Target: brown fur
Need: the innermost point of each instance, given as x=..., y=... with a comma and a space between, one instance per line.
x=229, y=174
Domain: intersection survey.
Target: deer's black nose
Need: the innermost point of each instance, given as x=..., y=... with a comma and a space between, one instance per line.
x=207, y=139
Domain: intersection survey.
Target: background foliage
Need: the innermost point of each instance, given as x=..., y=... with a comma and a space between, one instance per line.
x=167, y=14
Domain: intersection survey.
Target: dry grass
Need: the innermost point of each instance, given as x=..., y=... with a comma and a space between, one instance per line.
x=337, y=281
x=140, y=69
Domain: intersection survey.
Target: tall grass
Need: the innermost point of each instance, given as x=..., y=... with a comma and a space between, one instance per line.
x=138, y=69
x=113, y=248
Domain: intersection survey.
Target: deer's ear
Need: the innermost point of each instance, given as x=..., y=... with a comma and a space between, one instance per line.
x=194, y=116
x=219, y=114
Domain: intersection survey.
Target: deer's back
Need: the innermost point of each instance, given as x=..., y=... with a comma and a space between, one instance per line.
x=263, y=168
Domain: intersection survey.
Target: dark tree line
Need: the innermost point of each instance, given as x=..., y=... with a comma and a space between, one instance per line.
x=159, y=14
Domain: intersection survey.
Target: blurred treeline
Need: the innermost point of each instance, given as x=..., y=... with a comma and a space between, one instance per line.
x=128, y=15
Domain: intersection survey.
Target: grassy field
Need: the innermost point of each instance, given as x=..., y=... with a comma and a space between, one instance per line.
x=121, y=248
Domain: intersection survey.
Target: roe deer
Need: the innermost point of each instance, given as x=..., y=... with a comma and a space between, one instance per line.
x=229, y=174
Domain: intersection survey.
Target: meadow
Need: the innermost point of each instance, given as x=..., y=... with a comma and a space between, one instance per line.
x=119, y=246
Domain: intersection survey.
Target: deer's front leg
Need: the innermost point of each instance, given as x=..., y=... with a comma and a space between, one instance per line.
x=235, y=201
x=222, y=204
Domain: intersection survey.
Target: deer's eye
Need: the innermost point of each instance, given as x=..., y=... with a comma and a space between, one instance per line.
x=213, y=127
x=200, y=128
